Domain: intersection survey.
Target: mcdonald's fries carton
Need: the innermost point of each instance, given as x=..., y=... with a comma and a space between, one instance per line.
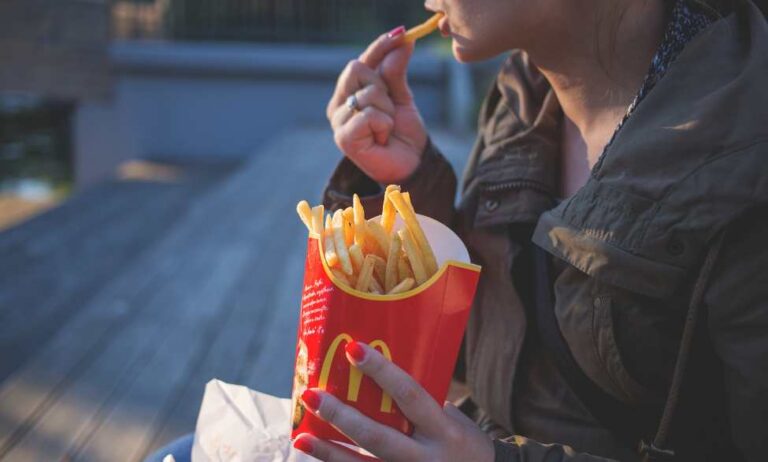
x=419, y=330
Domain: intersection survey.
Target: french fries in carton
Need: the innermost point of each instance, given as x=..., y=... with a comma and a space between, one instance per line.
x=400, y=282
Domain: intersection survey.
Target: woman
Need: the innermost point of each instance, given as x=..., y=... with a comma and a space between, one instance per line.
x=617, y=194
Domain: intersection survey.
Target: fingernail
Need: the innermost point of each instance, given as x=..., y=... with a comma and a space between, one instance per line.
x=303, y=445
x=356, y=351
x=312, y=399
x=397, y=31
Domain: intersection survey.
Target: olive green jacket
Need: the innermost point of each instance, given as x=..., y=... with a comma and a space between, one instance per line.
x=690, y=163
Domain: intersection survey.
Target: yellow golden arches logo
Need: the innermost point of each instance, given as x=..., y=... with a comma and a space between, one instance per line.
x=355, y=376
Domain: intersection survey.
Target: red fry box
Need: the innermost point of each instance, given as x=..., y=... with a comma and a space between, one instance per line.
x=419, y=330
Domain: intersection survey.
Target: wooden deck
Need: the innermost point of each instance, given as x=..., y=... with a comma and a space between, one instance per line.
x=119, y=305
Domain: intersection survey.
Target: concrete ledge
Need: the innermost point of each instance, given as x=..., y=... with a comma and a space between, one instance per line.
x=299, y=62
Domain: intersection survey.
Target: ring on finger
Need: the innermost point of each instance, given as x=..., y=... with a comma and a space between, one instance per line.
x=352, y=103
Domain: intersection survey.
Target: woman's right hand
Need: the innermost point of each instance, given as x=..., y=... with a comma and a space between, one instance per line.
x=385, y=136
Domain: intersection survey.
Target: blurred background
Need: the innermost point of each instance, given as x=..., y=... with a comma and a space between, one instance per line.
x=151, y=156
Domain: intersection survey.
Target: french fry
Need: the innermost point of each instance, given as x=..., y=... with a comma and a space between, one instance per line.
x=379, y=267
x=407, y=198
x=414, y=256
x=305, y=213
x=390, y=272
x=388, y=210
x=403, y=269
x=381, y=238
x=317, y=220
x=424, y=29
x=366, y=274
x=368, y=254
x=404, y=286
x=349, y=226
x=331, y=257
x=356, y=255
x=341, y=245
x=376, y=287
x=340, y=276
x=359, y=214
x=414, y=228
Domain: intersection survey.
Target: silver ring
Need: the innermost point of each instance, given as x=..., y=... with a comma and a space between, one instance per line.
x=352, y=103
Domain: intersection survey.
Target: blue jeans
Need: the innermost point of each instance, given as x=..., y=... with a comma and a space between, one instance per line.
x=180, y=449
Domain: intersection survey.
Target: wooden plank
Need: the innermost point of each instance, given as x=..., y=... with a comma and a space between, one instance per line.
x=74, y=270
x=177, y=247
x=276, y=211
x=269, y=357
x=28, y=394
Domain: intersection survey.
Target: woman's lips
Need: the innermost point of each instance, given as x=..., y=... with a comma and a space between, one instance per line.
x=444, y=26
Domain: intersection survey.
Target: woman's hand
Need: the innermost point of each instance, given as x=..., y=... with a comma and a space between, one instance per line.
x=384, y=134
x=443, y=434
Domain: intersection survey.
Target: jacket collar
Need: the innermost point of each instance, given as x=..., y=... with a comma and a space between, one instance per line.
x=689, y=161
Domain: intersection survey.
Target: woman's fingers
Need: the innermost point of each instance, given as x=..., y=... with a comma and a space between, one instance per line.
x=326, y=450
x=379, y=48
x=355, y=76
x=394, y=71
x=370, y=96
x=382, y=441
x=357, y=130
x=418, y=406
x=376, y=96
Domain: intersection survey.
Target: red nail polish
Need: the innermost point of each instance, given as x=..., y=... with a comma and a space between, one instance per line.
x=304, y=445
x=311, y=399
x=356, y=351
x=397, y=31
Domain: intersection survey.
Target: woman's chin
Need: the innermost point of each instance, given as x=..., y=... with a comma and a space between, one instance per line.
x=464, y=54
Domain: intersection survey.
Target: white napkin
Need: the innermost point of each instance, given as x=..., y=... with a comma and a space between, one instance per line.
x=237, y=424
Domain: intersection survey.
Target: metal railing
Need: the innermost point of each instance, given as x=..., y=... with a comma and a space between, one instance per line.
x=315, y=21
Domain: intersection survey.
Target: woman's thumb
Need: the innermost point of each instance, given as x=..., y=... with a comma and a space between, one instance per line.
x=394, y=71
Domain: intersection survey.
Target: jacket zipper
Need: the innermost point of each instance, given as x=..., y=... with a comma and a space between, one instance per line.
x=518, y=184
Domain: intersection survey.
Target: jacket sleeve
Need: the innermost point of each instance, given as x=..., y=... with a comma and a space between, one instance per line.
x=737, y=302
x=520, y=449
x=432, y=187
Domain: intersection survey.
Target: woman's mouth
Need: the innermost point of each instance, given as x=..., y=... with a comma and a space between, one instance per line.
x=444, y=26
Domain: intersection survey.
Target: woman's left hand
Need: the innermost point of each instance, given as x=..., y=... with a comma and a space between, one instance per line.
x=441, y=433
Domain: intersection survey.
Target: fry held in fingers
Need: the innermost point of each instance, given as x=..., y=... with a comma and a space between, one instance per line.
x=424, y=29
x=368, y=254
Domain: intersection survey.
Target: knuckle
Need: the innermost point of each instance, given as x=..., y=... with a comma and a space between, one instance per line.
x=330, y=411
x=368, y=437
x=452, y=433
x=407, y=393
x=341, y=141
x=356, y=67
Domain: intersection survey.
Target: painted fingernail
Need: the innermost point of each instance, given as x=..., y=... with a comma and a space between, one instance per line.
x=356, y=351
x=397, y=31
x=312, y=399
x=303, y=445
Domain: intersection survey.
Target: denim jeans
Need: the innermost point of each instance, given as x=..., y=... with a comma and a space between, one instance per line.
x=180, y=449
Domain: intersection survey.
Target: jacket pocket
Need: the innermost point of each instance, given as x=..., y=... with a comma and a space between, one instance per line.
x=584, y=310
